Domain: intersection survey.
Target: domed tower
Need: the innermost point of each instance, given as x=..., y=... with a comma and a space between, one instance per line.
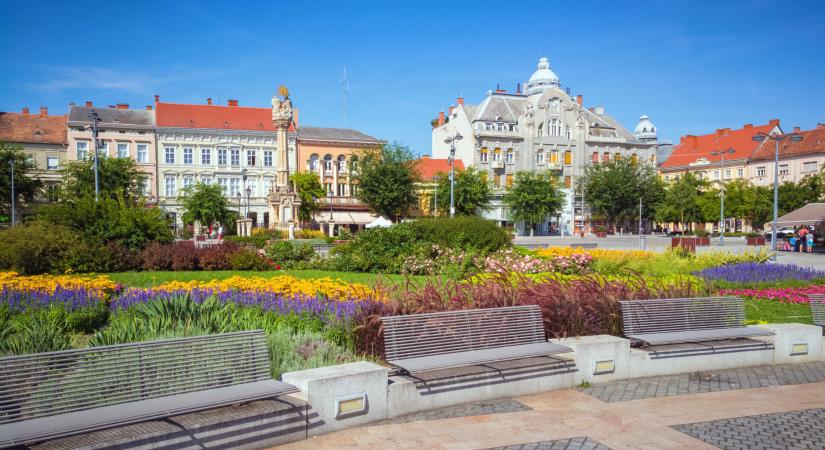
x=645, y=131
x=542, y=79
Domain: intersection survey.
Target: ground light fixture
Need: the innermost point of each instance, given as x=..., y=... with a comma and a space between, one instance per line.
x=762, y=137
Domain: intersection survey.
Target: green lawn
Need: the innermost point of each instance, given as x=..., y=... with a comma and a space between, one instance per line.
x=776, y=312
x=150, y=279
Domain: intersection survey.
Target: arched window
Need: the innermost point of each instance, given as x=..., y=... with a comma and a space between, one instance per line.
x=353, y=163
x=539, y=130
x=554, y=157
x=595, y=158
x=510, y=155
x=568, y=157
x=606, y=157
x=497, y=154
x=313, y=162
x=327, y=162
x=484, y=154
x=555, y=128
x=567, y=131
x=342, y=163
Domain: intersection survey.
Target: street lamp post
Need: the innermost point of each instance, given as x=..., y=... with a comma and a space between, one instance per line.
x=248, y=194
x=95, y=118
x=761, y=137
x=13, y=197
x=435, y=205
x=729, y=151
x=451, y=140
x=238, y=195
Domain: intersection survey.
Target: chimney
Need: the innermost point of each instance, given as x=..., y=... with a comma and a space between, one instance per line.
x=122, y=106
x=232, y=102
x=441, y=118
x=209, y=100
x=747, y=125
x=499, y=90
x=112, y=106
x=25, y=110
x=44, y=111
x=451, y=110
x=89, y=104
x=148, y=107
x=796, y=129
x=157, y=98
x=425, y=156
x=820, y=125
x=773, y=122
x=518, y=88
x=460, y=100
x=580, y=100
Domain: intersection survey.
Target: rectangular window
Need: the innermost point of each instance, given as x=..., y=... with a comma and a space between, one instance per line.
x=234, y=186
x=568, y=157
x=52, y=191
x=715, y=174
x=143, y=153
x=342, y=190
x=342, y=165
x=510, y=156
x=783, y=169
x=328, y=188
x=509, y=180
x=187, y=155
x=267, y=185
x=224, y=184
x=171, y=187
x=206, y=156
x=235, y=154
x=727, y=173
x=104, y=148
x=540, y=158
x=809, y=166
x=760, y=171
x=170, y=155
x=252, y=188
x=221, y=156
x=147, y=188
x=206, y=179
x=740, y=172
x=122, y=150
x=82, y=150
x=484, y=155
x=268, y=158
x=52, y=163
x=188, y=180
x=554, y=157
x=250, y=157
x=497, y=180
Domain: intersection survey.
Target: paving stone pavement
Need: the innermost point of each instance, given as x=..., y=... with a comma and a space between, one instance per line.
x=788, y=430
x=579, y=443
x=712, y=381
x=507, y=405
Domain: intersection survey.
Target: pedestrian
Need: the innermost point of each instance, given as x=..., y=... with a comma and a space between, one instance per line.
x=803, y=238
x=220, y=233
x=794, y=244
x=810, y=241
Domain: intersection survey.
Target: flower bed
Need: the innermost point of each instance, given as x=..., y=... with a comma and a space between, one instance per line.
x=283, y=284
x=783, y=295
x=51, y=283
x=760, y=273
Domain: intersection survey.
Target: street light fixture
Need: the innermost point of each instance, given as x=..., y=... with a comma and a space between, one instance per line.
x=761, y=137
x=238, y=195
x=451, y=140
x=435, y=205
x=95, y=119
x=729, y=151
x=248, y=194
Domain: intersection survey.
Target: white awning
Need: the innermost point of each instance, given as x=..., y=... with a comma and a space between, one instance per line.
x=810, y=214
x=346, y=217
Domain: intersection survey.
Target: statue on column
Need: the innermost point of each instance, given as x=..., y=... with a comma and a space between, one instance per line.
x=284, y=201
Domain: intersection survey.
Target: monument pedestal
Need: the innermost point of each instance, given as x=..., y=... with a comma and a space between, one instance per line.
x=244, y=227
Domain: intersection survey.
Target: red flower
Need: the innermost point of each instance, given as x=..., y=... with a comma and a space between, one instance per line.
x=277, y=267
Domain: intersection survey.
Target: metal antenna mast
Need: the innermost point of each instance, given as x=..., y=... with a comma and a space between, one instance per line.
x=345, y=89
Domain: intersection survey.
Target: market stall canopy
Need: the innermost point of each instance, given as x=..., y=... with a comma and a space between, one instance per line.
x=380, y=222
x=810, y=214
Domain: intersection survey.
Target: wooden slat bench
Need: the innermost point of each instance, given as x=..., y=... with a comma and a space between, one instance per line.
x=817, y=303
x=45, y=396
x=716, y=324
x=421, y=343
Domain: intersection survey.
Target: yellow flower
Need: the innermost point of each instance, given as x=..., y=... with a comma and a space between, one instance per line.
x=286, y=284
x=48, y=283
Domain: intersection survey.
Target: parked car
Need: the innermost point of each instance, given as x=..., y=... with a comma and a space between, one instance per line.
x=785, y=232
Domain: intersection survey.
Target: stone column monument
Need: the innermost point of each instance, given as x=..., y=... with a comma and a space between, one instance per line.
x=283, y=199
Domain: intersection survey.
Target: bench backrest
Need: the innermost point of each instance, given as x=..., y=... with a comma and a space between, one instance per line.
x=817, y=302
x=45, y=384
x=417, y=335
x=682, y=314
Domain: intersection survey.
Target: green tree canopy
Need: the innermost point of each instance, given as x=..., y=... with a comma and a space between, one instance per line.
x=615, y=187
x=680, y=203
x=386, y=180
x=206, y=204
x=796, y=195
x=309, y=189
x=26, y=186
x=533, y=197
x=470, y=192
x=119, y=178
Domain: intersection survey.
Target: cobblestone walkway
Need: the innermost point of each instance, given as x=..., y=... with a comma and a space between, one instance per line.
x=580, y=443
x=701, y=382
x=471, y=409
x=789, y=430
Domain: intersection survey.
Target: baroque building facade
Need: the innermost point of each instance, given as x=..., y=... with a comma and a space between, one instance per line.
x=542, y=128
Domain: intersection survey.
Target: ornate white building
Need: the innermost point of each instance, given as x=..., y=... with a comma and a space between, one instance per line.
x=542, y=128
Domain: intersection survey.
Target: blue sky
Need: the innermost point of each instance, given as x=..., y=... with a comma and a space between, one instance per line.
x=693, y=66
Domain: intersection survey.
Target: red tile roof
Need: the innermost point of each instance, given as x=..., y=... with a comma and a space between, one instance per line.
x=813, y=142
x=692, y=148
x=179, y=115
x=428, y=167
x=32, y=128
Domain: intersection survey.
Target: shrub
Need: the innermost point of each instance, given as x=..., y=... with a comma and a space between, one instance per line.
x=462, y=232
x=304, y=233
x=288, y=254
x=36, y=248
x=184, y=256
x=35, y=332
x=217, y=257
x=258, y=241
x=157, y=256
x=248, y=259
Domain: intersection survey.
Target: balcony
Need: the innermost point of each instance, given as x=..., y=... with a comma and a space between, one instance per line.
x=497, y=133
x=604, y=139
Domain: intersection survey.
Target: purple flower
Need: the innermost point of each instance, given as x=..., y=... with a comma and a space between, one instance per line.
x=755, y=273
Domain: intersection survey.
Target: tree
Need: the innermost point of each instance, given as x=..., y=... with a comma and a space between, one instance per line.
x=26, y=186
x=117, y=177
x=206, y=204
x=470, y=192
x=796, y=195
x=681, y=201
x=614, y=189
x=386, y=180
x=309, y=189
x=533, y=197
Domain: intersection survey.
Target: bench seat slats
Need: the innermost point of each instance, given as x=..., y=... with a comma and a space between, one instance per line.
x=489, y=355
x=817, y=302
x=700, y=335
x=61, y=425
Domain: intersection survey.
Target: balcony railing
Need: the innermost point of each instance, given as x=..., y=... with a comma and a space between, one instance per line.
x=339, y=200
